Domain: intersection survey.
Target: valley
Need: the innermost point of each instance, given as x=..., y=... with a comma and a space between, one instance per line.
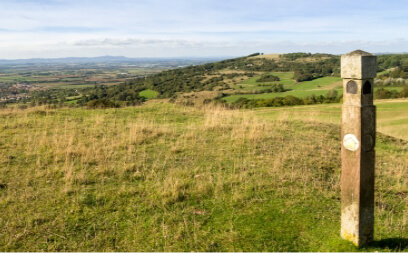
x=237, y=155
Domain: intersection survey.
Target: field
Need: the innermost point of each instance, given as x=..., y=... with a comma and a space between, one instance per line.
x=268, y=56
x=305, y=89
x=392, y=115
x=78, y=78
x=149, y=94
x=162, y=177
x=251, y=84
x=317, y=87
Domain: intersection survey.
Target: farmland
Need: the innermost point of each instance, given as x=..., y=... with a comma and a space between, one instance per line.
x=81, y=76
x=20, y=78
x=243, y=82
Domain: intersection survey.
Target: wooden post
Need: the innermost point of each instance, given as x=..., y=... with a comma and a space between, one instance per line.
x=358, y=70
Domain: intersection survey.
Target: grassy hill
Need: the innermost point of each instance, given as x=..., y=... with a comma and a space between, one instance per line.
x=301, y=75
x=161, y=177
x=315, y=87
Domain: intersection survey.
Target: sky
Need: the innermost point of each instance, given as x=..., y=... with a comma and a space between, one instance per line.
x=199, y=28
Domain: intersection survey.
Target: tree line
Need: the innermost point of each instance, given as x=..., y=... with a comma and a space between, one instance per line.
x=195, y=78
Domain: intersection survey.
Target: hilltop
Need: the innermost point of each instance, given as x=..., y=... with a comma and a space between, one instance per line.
x=163, y=177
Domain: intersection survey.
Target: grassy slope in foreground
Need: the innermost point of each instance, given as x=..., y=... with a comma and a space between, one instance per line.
x=165, y=178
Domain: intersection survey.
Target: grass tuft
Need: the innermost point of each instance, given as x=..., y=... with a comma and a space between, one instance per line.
x=162, y=177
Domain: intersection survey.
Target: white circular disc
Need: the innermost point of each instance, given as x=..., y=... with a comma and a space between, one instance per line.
x=351, y=142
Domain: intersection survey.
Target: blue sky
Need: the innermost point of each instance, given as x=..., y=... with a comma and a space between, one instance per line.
x=177, y=28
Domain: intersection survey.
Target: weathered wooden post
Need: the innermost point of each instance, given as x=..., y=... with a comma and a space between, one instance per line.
x=358, y=70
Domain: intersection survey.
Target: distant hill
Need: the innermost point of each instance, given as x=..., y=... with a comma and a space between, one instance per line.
x=222, y=77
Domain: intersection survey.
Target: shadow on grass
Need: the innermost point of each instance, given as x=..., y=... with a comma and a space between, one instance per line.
x=397, y=244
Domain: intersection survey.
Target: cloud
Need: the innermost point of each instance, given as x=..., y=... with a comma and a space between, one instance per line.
x=107, y=42
x=206, y=26
x=63, y=29
x=201, y=47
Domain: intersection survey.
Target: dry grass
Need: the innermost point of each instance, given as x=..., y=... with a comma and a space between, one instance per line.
x=268, y=56
x=392, y=115
x=167, y=178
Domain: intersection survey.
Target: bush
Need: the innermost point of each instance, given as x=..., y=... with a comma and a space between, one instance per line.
x=268, y=78
x=404, y=92
x=301, y=77
x=101, y=104
x=384, y=94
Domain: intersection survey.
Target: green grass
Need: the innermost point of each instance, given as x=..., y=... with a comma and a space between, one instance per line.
x=73, y=97
x=399, y=89
x=148, y=94
x=392, y=115
x=299, y=92
x=161, y=177
x=251, y=84
x=383, y=72
x=296, y=93
x=286, y=80
x=72, y=86
x=72, y=101
x=304, y=89
x=316, y=83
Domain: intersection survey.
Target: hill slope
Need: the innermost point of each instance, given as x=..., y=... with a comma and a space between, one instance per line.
x=166, y=178
x=310, y=78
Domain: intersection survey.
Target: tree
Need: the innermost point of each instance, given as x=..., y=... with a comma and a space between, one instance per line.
x=101, y=104
x=395, y=73
x=404, y=92
x=268, y=78
x=291, y=100
x=331, y=94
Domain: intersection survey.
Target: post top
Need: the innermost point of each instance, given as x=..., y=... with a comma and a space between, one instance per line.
x=359, y=52
x=358, y=65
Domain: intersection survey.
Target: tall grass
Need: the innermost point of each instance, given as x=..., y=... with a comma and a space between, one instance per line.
x=161, y=177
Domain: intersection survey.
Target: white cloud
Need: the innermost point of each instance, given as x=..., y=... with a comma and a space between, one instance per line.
x=56, y=28
x=126, y=42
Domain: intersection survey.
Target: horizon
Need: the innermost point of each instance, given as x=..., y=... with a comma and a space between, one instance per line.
x=175, y=57
x=198, y=28
x=119, y=56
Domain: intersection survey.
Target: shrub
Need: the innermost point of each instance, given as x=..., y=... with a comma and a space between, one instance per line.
x=268, y=78
x=101, y=104
x=404, y=92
